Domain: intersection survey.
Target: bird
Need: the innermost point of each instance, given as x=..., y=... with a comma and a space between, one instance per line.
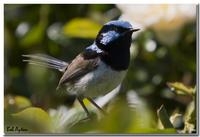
x=99, y=68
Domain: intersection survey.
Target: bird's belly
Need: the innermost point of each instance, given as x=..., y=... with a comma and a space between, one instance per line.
x=98, y=82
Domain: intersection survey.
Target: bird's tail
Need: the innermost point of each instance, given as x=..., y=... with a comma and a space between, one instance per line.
x=46, y=61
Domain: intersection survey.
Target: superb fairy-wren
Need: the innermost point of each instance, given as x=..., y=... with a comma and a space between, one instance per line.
x=100, y=68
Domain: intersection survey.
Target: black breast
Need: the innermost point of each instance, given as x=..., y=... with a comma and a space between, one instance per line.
x=117, y=59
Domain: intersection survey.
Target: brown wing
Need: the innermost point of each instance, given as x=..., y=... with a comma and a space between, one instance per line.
x=79, y=67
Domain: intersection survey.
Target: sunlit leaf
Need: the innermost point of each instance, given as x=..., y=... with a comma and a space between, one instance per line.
x=16, y=103
x=164, y=118
x=74, y=120
x=33, y=119
x=22, y=102
x=34, y=36
x=190, y=118
x=118, y=120
x=81, y=28
x=177, y=120
x=142, y=115
x=180, y=88
x=67, y=120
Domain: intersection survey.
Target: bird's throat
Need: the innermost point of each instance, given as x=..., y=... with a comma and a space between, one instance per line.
x=117, y=60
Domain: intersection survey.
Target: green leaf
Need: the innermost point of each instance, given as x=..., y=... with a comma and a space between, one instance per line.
x=65, y=120
x=121, y=118
x=34, y=36
x=153, y=130
x=190, y=118
x=17, y=103
x=33, y=119
x=22, y=102
x=164, y=118
x=180, y=88
x=81, y=28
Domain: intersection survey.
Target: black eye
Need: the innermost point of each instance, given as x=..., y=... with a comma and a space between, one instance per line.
x=118, y=29
x=115, y=29
x=101, y=36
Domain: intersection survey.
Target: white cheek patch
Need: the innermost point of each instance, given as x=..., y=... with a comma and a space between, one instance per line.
x=109, y=36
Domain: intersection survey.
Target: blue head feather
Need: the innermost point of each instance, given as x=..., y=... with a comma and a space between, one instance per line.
x=94, y=47
x=109, y=36
x=114, y=39
x=112, y=31
x=120, y=23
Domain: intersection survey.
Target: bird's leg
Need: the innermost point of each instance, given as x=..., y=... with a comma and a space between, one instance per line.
x=80, y=99
x=101, y=110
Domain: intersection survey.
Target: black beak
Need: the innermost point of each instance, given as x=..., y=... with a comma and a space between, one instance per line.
x=133, y=30
x=130, y=31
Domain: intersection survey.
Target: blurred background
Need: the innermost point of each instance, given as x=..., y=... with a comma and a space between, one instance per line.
x=162, y=53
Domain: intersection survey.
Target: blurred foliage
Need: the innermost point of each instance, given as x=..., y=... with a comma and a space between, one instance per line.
x=162, y=114
x=62, y=31
x=33, y=119
x=181, y=88
x=16, y=103
x=88, y=28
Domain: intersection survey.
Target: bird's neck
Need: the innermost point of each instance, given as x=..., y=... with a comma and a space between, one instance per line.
x=117, y=59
